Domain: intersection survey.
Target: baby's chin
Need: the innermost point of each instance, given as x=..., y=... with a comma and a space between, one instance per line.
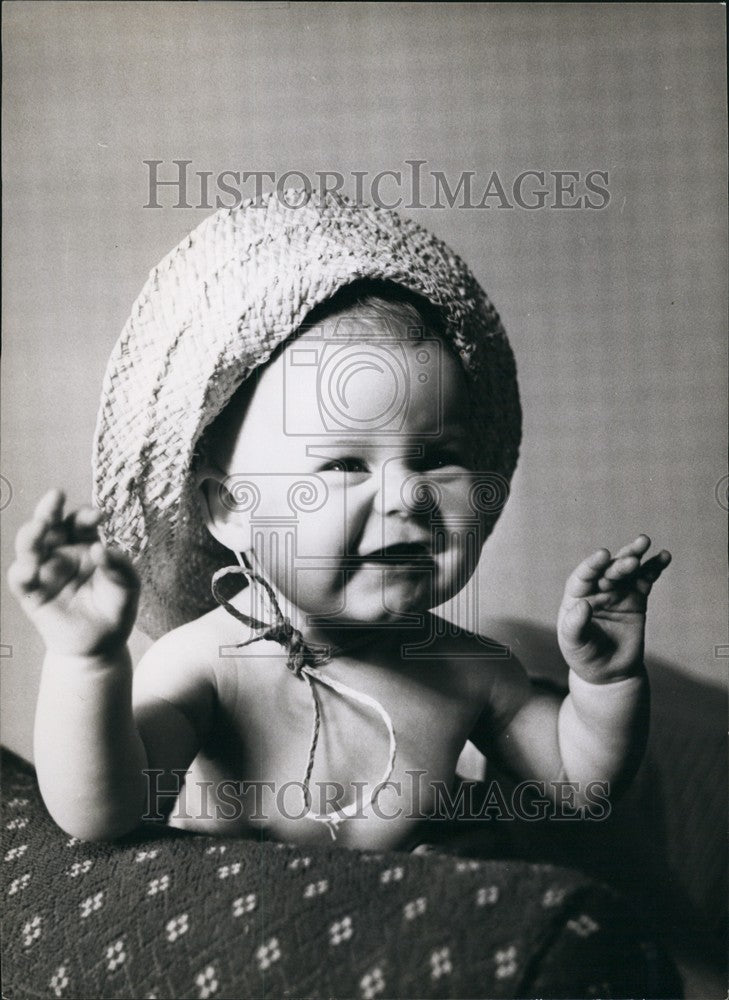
x=386, y=598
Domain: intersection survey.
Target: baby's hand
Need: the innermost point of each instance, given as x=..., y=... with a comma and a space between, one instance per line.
x=81, y=596
x=601, y=620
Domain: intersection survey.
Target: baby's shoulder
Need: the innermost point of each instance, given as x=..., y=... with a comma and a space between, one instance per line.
x=457, y=644
x=185, y=655
x=491, y=670
x=453, y=638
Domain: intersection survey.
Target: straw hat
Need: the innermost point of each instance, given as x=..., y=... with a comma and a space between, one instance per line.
x=211, y=313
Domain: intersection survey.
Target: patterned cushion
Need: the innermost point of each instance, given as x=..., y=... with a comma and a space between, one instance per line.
x=665, y=843
x=169, y=914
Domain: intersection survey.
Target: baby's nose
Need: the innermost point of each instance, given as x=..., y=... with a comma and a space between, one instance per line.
x=401, y=491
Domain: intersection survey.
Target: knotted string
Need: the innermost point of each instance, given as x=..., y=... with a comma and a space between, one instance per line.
x=302, y=659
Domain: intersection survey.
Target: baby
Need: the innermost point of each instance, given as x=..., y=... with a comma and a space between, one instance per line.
x=329, y=395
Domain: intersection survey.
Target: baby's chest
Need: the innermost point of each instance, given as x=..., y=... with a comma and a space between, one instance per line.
x=334, y=736
x=278, y=753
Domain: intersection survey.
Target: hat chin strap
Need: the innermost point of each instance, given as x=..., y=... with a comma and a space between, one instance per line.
x=302, y=660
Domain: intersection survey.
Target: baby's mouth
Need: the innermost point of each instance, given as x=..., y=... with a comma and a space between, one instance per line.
x=408, y=553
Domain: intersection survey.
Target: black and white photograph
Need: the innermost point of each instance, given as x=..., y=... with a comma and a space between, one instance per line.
x=364, y=501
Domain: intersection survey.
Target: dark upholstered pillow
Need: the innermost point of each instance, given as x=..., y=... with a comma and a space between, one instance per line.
x=174, y=915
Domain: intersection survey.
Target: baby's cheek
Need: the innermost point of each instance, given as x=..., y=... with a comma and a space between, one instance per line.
x=458, y=549
x=319, y=591
x=322, y=531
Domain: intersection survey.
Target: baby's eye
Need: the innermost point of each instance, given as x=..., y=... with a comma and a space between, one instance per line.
x=348, y=464
x=442, y=460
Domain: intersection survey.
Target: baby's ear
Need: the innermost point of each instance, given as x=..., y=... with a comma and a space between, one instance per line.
x=217, y=506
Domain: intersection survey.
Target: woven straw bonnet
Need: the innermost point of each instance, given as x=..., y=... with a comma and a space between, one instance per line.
x=211, y=313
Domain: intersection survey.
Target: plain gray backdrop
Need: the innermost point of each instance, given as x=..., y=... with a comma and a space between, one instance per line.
x=617, y=316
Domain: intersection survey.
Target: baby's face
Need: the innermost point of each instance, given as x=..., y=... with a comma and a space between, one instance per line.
x=356, y=445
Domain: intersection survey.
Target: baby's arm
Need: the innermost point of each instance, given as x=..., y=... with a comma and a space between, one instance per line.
x=90, y=752
x=598, y=732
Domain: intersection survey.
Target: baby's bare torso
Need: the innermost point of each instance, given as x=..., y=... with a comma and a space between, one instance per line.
x=248, y=776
